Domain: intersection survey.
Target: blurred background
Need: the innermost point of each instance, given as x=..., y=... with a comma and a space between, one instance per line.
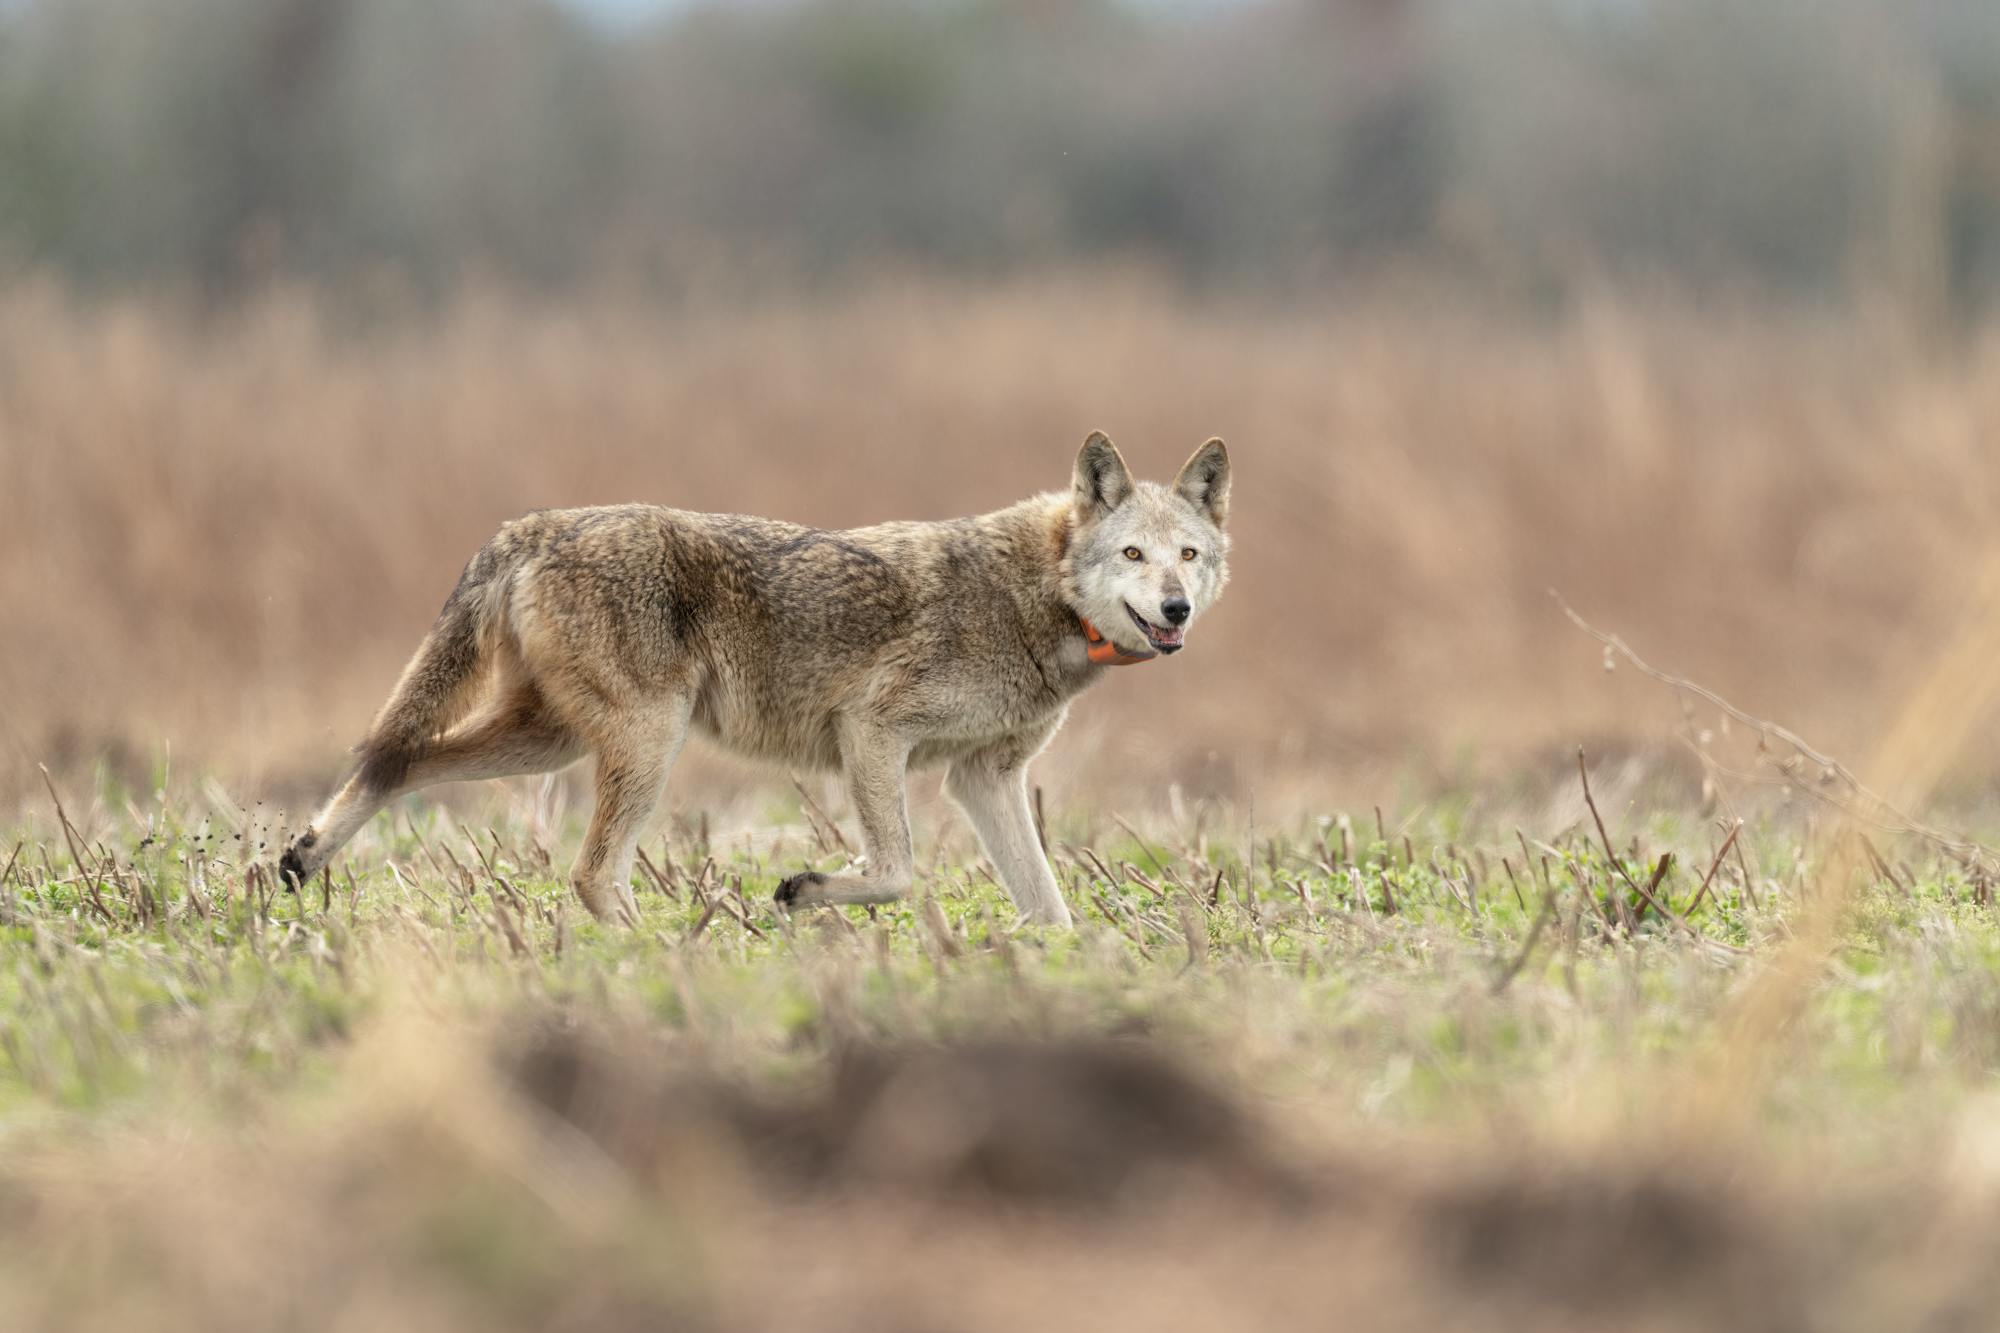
x=1683, y=308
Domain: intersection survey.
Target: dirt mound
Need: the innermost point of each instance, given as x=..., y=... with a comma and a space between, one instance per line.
x=1092, y=1124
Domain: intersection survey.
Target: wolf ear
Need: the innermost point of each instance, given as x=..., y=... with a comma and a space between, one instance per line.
x=1204, y=481
x=1102, y=480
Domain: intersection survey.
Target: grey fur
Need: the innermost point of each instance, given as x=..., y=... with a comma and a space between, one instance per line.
x=617, y=631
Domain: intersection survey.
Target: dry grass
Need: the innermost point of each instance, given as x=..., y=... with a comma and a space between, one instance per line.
x=224, y=533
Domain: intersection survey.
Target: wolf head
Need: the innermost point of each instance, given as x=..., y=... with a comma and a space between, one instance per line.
x=1145, y=560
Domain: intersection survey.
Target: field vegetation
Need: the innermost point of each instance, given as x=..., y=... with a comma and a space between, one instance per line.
x=1419, y=1065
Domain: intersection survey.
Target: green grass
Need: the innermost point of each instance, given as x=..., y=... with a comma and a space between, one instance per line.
x=1387, y=976
x=226, y=1106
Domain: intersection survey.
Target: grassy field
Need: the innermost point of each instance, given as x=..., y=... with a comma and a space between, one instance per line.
x=1713, y=1047
x=1422, y=1067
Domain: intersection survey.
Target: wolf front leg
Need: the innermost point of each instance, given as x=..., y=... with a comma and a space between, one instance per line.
x=991, y=786
x=876, y=763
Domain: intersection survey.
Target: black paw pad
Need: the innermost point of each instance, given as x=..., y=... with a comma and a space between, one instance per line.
x=793, y=885
x=292, y=869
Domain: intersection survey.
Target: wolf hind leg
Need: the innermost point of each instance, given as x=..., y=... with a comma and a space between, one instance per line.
x=519, y=735
x=875, y=764
x=635, y=753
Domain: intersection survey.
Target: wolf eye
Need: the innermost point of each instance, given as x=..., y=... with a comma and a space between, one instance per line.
x=1189, y=553
x=1134, y=553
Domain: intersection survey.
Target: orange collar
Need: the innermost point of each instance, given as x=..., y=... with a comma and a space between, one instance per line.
x=1102, y=652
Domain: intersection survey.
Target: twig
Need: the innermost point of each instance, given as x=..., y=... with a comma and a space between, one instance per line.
x=1133, y=834
x=1508, y=866
x=741, y=915
x=659, y=880
x=1749, y=889
x=1194, y=927
x=1881, y=865
x=1110, y=879
x=86, y=868
x=1610, y=853
x=1756, y=724
x=1713, y=866
x=1138, y=876
x=1887, y=814
x=940, y=927
x=1619, y=866
x=817, y=817
x=1542, y=916
x=1653, y=887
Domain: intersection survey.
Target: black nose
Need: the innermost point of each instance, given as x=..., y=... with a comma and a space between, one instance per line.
x=1176, y=610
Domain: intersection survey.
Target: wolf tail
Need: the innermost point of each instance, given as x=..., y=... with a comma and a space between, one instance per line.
x=441, y=682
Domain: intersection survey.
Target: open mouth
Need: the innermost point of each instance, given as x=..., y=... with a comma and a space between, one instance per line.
x=1164, y=639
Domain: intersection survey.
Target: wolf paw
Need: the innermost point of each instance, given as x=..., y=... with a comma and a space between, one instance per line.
x=793, y=889
x=292, y=866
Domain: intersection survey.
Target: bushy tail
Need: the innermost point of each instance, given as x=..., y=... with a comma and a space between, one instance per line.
x=442, y=681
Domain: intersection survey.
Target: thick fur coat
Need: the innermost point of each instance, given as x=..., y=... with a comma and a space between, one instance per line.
x=618, y=631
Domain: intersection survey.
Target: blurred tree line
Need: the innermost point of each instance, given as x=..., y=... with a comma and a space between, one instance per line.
x=1809, y=148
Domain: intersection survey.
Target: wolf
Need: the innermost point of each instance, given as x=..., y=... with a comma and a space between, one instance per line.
x=617, y=631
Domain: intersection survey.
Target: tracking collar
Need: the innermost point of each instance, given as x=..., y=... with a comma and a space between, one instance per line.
x=1102, y=652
